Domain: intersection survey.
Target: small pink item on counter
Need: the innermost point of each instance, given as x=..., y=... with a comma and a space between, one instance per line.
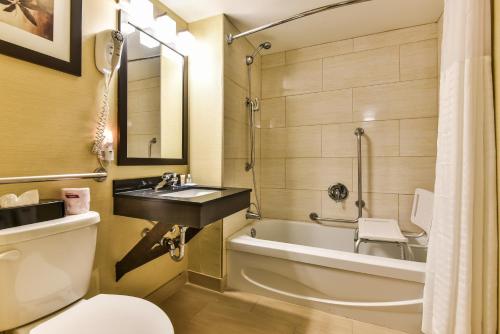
x=76, y=200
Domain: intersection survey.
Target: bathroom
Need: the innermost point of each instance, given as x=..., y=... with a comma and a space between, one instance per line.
x=234, y=167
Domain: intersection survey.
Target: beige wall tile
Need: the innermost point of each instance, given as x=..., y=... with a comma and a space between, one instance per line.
x=405, y=207
x=235, y=175
x=361, y=68
x=319, y=51
x=376, y=205
x=318, y=173
x=419, y=60
x=411, y=99
x=418, y=137
x=292, y=79
x=143, y=123
x=398, y=175
x=273, y=173
x=235, y=139
x=234, y=101
x=273, y=143
x=273, y=60
x=394, y=37
x=290, y=204
x=319, y=108
x=380, y=139
x=303, y=142
x=272, y=113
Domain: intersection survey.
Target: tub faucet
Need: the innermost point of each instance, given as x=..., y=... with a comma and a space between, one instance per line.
x=167, y=179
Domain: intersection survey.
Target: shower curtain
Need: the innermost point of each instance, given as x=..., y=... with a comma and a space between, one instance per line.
x=460, y=294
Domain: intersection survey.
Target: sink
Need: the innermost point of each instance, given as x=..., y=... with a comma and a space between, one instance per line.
x=191, y=206
x=190, y=193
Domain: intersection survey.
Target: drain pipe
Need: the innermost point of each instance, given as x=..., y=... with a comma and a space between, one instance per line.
x=181, y=246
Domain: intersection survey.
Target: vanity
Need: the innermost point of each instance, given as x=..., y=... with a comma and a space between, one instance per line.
x=189, y=207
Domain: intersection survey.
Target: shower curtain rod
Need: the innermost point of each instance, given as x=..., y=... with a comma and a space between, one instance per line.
x=230, y=37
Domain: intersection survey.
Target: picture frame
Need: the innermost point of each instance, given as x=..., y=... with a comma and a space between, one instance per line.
x=43, y=32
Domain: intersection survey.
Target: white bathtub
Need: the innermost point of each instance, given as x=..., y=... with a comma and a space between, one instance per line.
x=314, y=265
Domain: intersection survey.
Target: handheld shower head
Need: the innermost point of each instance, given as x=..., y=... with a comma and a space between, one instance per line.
x=263, y=45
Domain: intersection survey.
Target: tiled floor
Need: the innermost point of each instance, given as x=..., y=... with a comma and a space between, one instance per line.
x=194, y=310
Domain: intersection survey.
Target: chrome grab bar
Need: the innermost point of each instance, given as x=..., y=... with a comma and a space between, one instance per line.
x=98, y=176
x=349, y=223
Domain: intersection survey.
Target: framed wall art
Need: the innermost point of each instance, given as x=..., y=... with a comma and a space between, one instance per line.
x=44, y=32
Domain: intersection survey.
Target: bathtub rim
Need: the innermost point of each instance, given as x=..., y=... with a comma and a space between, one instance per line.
x=367, y=264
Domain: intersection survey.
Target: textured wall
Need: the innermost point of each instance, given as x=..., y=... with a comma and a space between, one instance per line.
x=47, y=127
x=314, y=99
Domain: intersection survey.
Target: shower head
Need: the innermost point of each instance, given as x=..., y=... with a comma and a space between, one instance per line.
x=263, y=45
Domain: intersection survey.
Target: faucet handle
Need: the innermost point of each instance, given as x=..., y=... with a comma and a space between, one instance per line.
x=168, y=175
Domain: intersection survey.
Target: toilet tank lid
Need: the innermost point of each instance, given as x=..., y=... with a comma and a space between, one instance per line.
x=39, y=230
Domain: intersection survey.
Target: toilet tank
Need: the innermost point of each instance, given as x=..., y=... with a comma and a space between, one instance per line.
x=45, y=267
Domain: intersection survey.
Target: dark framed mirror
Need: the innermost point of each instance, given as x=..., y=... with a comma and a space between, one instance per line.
x=152, y=100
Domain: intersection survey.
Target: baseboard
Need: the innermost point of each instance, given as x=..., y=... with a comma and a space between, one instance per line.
x=168, y=289
x=207, y=281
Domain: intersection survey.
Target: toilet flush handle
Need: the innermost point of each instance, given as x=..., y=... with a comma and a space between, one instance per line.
x=12, y=255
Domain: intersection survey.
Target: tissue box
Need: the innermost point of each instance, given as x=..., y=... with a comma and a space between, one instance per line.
x=30, y=214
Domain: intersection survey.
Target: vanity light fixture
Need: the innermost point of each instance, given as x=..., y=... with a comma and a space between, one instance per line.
x=141, y=13
x=165, y=28
x=185, y=42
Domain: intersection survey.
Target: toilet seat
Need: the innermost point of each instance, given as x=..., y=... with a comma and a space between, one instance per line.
x=109, y=314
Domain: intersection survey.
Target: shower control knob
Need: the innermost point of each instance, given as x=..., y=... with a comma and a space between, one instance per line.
x=338, y=192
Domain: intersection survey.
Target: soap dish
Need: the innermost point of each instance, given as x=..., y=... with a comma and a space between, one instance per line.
x=31, y=214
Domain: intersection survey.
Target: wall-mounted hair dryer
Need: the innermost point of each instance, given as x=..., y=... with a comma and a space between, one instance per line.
x=108, y=51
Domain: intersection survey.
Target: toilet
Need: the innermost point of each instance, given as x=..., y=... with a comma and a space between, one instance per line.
x=45, y=271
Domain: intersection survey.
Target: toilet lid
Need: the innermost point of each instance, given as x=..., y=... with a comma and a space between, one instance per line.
x=109, y=314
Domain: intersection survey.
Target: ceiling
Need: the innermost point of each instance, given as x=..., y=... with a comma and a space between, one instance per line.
x=342, y=23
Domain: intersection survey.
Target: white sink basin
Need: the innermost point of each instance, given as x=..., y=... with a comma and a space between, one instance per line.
x=190, y=193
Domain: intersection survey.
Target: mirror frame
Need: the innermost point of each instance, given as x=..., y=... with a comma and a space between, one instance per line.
x=123, y=159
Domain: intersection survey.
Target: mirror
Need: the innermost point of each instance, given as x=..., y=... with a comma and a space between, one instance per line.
x=152, y=102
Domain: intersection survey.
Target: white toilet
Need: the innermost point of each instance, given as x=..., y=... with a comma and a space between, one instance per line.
x=45, y=267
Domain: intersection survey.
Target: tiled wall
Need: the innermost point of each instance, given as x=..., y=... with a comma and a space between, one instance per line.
x=313, y=100
x=236, y=124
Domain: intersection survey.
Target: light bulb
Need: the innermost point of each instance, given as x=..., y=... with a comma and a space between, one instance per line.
x=184, y=42
x=108, y=137
x=165, y=29
x=141, y=13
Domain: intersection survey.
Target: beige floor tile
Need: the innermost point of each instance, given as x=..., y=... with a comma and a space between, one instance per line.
x=364, y=328
x=362, y=68
x=195, y=310
x=319, y=108
x=306, y=320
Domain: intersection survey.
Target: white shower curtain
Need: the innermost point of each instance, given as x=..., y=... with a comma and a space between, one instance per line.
x=461, y=283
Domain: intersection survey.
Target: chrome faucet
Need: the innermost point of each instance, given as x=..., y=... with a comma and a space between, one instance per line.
x=167, y=179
